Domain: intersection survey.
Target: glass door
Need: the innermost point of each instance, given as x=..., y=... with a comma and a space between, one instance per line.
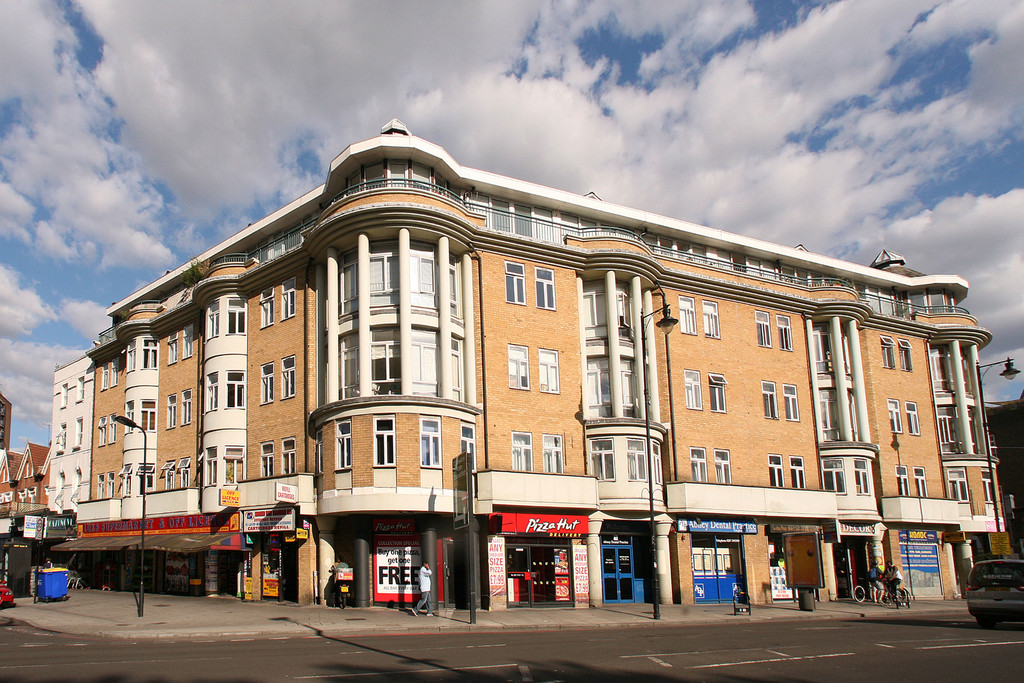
x=617, y=570
x=520, y=578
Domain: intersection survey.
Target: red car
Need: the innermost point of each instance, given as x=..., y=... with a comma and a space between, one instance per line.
x=6, y=596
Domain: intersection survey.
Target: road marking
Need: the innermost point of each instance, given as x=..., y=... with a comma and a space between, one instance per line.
x=478, y=647
x=697, y=652
x=775, y=652
x=769, y=661
x=893, y=647
x=950, y=647
x=34, y=644
x=661, y=662
x=408, y=671
x=524, y=673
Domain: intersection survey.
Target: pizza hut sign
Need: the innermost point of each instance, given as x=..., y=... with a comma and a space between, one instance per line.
x=544, y=525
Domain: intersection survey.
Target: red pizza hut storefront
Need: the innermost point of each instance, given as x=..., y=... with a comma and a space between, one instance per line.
x=537, y=560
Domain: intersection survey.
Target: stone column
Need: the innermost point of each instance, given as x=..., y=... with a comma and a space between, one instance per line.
x=652, y=332
x=636, y=312
x=405, y=311
x=325, y=556
x=815, y=386
x=332, y=311
x=365, y=338
x=594, y=569
x=469, y=316
x=964, y=564
x=362, y=567
x=444, y=321
x=614, y=352
x=828, y=566
x=664, y=562
x=859, y=388
x=428, y=548
x=842, y=383
x=588, y=410
x=321, y=334
x=960, y=394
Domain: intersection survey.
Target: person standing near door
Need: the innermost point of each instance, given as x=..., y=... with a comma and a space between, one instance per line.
x=424, y=591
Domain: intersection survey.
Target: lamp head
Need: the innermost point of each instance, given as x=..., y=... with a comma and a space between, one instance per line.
x=667, y=322
x=121, y=419
x=1009, y=372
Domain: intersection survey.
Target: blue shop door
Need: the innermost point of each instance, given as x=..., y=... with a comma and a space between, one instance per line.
x=717, y=568
x=617, y=574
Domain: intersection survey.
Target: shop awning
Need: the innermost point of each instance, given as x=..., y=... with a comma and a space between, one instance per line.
x=98, y=543
x=185, y=543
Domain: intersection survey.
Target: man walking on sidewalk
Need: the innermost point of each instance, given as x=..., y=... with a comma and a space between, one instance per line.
x=424, y=591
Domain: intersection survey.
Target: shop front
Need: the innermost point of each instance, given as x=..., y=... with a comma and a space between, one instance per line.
x=718, y=557
x=537, y=560
x=852, y=553
x=919, y=554
x=625, y=561
x=276, y=536
x=182, y=553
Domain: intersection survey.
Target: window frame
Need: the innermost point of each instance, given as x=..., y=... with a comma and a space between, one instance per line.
x=522, y=452
x=921, y=482
x=902, y=481
x=186, y=407
x=515, y=283
x=288, y=463
x=862, y=476
x=957, y=489
x=769, y=400
x=267, y=307
x=698, y=464
x=833, y=475
x=236, y=316
x=791, y=402
x=797, y=473
x=267, y=459
x=687, y=315
x=784, y=327
x=385, y=446
x=692, y=389
x=150, y=354
x=716, y=391
x=723, y=466
x=519, y=375
x=343, y=449
x=763, y=322
x=888, y=352
x=288, y=299
x=548, y=369
x=234, y=383
x=905, y=352
x=636, y=459
x=602, y=459
x=895, y=417
x=545, y=288
x=288, y=378
x=712, y=321
x=553, y=455
x=267, y=383
x=913, y=418
x=430, y=442
x=172, y=411
x=776, y=475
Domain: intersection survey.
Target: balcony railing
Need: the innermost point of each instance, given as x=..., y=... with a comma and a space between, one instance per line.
x=397, y=183
x=230, y=259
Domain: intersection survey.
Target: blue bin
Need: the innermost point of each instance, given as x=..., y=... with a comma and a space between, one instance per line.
x=53, y=584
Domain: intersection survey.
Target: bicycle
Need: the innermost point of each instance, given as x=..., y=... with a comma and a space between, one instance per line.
x=896, y=598
x=862, y=592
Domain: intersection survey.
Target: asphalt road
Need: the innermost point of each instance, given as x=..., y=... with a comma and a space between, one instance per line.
x=890, y=649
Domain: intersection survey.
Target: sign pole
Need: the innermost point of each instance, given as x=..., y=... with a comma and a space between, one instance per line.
x=462, y=489
x=474, y=550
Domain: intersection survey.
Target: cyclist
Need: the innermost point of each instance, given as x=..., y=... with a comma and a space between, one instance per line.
x=875, y=582
x=893, y=579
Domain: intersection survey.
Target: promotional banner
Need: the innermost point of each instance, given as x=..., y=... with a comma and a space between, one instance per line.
x=581, y=574
x=496, y=567
x=396, y=562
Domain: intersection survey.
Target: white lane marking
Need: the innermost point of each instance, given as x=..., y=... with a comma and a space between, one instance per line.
x=525, y=675
x=697, y=652
x=769, y=661
x=478, y=647
x=776, y=652
x=661, y=662
x=407, y=671
x=892, y=647
x=950, y=647
x=34, y=644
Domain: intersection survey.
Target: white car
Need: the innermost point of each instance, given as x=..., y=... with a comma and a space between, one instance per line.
x=995, y=592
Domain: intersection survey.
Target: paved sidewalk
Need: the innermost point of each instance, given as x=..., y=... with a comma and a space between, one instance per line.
x=108, y=614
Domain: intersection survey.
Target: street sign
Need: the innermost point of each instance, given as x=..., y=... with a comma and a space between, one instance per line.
x=461, y=478
x=1000, y=543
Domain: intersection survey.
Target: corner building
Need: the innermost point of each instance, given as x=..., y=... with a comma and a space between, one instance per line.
x=305, y=385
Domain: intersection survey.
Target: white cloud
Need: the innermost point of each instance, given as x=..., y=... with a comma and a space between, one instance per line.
x=15, y=213
x=26, y=378
x=21, y=309
x=88, y=317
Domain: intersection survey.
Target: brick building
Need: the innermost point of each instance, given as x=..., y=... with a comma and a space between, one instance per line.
x=308, y=381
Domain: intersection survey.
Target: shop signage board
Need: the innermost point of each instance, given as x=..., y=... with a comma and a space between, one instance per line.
x=61, y=526
x=1000, y=543
x=462, y=480
x=918, y=536
x=230, y=498
x=221, y=522
x=540, y=524
x=268, y=520
x=954, y=537
x=854, y=529
x=496, y=568
x=715, y=526
x=397, y=558
x=581, y=574
x=803, y=561
x=33, y=527
x=286, y=493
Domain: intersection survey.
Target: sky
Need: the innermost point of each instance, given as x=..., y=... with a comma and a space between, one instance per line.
x=134, y=135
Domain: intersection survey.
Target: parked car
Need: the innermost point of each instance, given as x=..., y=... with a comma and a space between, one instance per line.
x=995, y=592
x=6, y=596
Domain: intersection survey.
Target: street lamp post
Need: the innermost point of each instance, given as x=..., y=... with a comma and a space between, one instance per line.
x=666, y=325
x=1009, y=372
x=144, y=471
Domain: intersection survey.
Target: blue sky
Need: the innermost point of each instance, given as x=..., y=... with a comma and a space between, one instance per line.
x=133, y=135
